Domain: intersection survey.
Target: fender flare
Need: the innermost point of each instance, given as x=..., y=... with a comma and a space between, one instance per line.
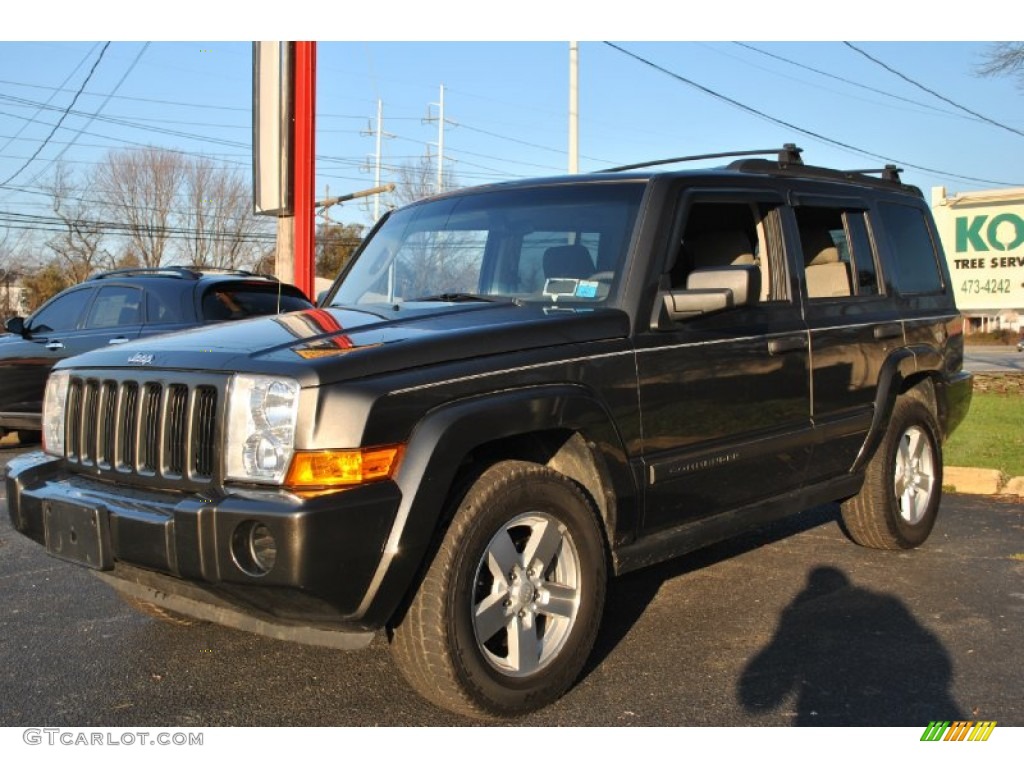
x=434, y=453
x=902, y=365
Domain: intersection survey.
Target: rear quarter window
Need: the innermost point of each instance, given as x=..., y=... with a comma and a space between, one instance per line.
x=915, y=260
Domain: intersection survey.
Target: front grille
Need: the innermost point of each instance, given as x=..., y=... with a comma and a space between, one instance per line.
x=149, y=430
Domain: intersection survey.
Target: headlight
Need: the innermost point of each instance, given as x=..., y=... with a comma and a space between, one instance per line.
x=262, y=411
x=54, y=406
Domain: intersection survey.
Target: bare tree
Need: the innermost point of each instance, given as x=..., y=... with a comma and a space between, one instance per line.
x=137, y=188
x=417, y=180
x=1004, y=59
x=77, y=246
x=219, y=227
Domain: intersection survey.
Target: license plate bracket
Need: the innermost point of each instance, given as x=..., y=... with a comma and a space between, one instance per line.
x=78, y=533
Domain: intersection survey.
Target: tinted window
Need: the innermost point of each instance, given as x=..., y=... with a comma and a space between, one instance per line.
x=545, y=244
x=115, y=305
x=838, y=258
x=235, y=301
x=913, y=252
x=164, y=308
x=62, y=313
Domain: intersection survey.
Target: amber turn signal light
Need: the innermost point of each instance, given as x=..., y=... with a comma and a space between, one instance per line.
x=336, y=469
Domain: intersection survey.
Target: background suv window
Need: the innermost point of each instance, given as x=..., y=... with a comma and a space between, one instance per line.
x=62, y=313
x=234, y=301
x=115, y=305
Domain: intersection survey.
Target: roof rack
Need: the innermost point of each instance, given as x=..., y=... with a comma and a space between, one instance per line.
x=888, y=177
x=788, y=155
x=181, y=272
x=185, y=273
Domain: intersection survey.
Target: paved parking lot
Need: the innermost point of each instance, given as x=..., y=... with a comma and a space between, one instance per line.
x=789, y=625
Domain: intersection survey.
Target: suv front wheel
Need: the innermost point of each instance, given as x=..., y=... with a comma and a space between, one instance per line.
x=507, y=613
x=897, y=506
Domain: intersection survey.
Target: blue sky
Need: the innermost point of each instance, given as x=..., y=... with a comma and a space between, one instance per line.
x=507, y=101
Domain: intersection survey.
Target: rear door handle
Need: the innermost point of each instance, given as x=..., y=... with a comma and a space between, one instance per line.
x=888, y=331
x=119, y=340
x=787, y=344
x=54, y=346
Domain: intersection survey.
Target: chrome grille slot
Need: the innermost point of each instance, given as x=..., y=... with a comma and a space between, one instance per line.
x=175, y=430
x=73, y=422
x=162, y=433
x=202, y=436
x=90, y=415
x=149, y=438
x=107, y=425
x=128, y=418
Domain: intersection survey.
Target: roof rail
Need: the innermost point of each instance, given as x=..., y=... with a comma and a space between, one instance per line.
x=887, y=178
x=188, y=273
x=788, y=155
x=889, y=173
x=182, y=272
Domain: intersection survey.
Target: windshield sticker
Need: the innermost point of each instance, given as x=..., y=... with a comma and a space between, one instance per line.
x=587, y=289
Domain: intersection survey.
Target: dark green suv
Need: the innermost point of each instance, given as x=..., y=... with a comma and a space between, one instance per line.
x=116, y=307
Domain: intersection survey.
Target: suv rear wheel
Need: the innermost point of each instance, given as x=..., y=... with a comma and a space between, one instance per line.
x=508, y=611
x=899, y=502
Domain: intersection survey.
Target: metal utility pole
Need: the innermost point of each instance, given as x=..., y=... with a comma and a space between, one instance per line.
x=378, y=157
x=574, y=107
x=440, y=138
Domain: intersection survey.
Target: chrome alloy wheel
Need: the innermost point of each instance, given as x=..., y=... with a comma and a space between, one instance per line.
x=914, y=480
x=527, y=594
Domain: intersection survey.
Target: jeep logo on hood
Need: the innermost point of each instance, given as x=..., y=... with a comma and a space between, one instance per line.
x=140, y=359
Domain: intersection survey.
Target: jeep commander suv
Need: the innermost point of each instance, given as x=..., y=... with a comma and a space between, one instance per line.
x=510, y=394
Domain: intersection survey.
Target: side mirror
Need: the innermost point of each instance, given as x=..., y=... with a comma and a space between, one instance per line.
x=15, y=325
x=321, y=296
x=709, y=290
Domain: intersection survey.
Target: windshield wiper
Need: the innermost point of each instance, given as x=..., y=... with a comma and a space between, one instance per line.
x=456, y=297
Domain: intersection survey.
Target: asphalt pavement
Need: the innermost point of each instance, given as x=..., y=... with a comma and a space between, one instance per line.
x=788, y=625
x=985, y=359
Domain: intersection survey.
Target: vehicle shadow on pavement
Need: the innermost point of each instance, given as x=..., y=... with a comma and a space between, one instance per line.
x=846, y=655
x=841, y=655
x=630, y=595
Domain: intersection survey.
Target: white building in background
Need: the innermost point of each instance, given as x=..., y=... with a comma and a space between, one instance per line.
x=13, y=298
x=983, y=236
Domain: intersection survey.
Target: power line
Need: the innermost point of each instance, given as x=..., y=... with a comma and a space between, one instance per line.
x=95, y=114
x=794, y=127
x=52, y=95
x=926, y=89
x=841, y=79
x=64, y=115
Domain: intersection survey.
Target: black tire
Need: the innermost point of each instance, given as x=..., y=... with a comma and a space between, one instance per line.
x=899, y=502
x=460, y=643
x=157, y=612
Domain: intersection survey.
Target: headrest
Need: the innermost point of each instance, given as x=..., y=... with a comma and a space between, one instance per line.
x=720, y=248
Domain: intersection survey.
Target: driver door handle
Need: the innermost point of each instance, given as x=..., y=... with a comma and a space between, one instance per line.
x=54, y=346
x=787, y=344
x=119, y=340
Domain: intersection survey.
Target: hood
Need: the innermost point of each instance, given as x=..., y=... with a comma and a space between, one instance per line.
x=322, y=346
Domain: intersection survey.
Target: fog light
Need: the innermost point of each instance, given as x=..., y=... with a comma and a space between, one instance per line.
x=254, y=548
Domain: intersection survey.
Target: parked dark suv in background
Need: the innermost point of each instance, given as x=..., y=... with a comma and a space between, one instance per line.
x=512, y=393
x=117, y=307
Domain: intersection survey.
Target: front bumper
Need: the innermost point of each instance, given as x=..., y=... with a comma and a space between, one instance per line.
x=327, y=547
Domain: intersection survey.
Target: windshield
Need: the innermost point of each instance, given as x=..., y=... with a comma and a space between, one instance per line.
x=556, y=244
